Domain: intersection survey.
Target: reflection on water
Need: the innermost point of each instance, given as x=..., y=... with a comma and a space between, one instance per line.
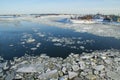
x=19, y=38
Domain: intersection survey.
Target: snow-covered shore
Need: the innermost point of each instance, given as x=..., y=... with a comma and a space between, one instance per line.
x=99, y=65
x=83, y=21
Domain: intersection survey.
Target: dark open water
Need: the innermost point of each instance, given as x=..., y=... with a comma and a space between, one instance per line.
x=14, y=40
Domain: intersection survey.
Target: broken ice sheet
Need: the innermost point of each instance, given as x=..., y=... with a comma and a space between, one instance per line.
x=40, y=34
x=30, y=40
x=38, y=44
x=33, y=49
x=36, y=67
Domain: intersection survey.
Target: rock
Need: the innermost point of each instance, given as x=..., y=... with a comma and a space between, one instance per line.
x=75, y=67
x=71, y=75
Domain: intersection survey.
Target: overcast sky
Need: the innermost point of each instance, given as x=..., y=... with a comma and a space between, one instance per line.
x=59, y=6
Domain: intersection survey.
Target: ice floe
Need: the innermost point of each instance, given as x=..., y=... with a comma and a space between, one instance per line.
x=38, y=44
x=33, y=49
x=30, y=40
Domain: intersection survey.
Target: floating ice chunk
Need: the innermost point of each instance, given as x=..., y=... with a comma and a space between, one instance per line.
x=1, y=70
x=103, y=57
x=30, y=40
x=57, y=44
x=108, y=61
x=5, y=67
x=86, y=57
x=82, y=47
x=27, y=69
x=79, y=42
x=11, y=45
x=49, y=75
x=65, y=77
x=113, y=75
x=33, y=49
x=117, y=59
x=75, y=67
x=62, y=78
x=10, y=76
x=22, y=42
x=72, y=74
x=26, y=35
x=64, y=70
x=35, y=30
x=38, y=44
x=99, y=67
x=91, y=77
x=55, y=40
x=82, y=65
x=36, y=67
x=18, y=77
x=40, y=34
x=73, y=47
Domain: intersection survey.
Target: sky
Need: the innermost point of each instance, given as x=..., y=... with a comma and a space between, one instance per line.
x=59, y=6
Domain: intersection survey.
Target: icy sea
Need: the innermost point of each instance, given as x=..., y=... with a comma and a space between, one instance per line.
x=24, y=37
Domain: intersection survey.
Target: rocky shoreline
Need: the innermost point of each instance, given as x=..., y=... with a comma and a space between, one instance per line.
x=98, y=65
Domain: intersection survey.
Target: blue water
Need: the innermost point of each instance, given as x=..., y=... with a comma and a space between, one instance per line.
x=12, y=35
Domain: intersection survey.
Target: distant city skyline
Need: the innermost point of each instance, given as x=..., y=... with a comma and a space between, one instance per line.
x=59, y=6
